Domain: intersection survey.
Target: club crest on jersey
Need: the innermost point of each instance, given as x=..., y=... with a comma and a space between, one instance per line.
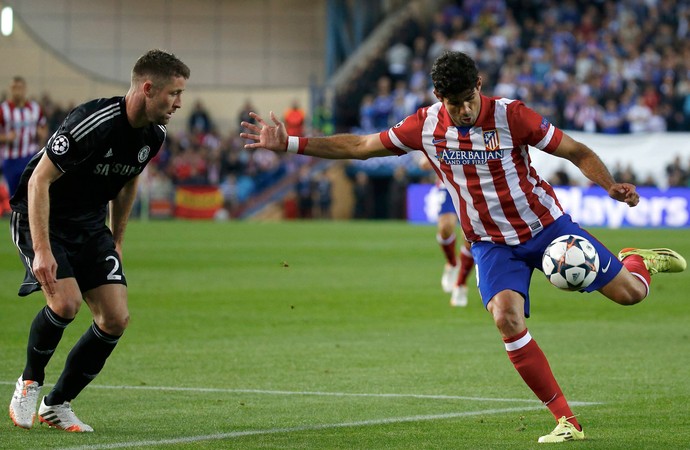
x=491, y=140
x=60, y=145
x=143, y=153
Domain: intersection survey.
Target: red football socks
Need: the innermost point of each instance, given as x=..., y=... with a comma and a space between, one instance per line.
x=448, y=247
x=534, y=369
x=635, y=265
x=466, y=264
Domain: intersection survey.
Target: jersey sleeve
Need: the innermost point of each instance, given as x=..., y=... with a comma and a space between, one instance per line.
x=406, y=135
x=62, y=148
x=530, y=128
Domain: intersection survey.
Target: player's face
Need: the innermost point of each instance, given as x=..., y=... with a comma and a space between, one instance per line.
x=165, y=101
x=463, y=108
x=18, y=91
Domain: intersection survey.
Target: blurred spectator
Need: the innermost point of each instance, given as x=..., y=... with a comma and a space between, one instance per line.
x=383, y=104
x=611, y=120
x=324, y=196
x=5, y=209
x=398, y=58
x=364, y=197
x=677, y=175
x=624, y=174
x=199, y=122
x=397, y=194
x=23, y=131
x=367, y=115
x=305, y=193
x=243, y=114
x=638, y=116
x=587, y=116
x=560, y=178
x=294, y=119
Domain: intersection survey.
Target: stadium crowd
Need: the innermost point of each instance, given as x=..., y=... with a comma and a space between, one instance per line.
x=608, y=66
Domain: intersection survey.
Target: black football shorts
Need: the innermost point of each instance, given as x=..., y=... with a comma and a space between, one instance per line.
x=86, y=253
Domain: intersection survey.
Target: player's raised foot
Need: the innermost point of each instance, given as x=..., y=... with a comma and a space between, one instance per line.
x=62, y=417
x=657, y=259
x=564, y=431
x=450, y=274
x=23, y=404
x=459, y=296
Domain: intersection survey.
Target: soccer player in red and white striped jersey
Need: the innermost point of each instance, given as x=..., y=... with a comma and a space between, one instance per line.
x=23, y=128
x=479, y=147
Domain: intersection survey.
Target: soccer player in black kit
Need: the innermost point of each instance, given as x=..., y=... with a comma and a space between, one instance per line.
x=88, y=168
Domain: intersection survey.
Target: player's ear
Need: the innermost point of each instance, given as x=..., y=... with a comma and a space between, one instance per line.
x=148, y=88
x=479, y=84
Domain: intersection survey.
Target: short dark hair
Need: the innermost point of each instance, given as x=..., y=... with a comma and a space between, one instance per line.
x=454, y=73
x=160, y=65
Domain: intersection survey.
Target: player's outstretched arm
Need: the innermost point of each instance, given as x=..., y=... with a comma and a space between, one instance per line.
x=594, y=168
x=341, y=146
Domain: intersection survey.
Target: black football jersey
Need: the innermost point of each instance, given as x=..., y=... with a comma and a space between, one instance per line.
x=98, y=152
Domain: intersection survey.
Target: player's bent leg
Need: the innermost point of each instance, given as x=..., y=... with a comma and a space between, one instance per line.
x=446, y=225
x=67, y=299
x=108, y=305
x=508, y=310
x=45, y=333
x=626, y=288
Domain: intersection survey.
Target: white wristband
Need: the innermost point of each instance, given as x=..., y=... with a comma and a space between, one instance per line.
x=292, y=144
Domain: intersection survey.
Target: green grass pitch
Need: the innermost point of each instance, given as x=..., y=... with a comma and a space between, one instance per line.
x=336, y=335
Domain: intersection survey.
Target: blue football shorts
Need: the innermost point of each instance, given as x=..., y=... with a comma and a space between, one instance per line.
x=446, y=201
x=500, y=267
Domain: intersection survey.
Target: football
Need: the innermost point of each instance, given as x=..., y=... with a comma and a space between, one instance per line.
x=570, y=262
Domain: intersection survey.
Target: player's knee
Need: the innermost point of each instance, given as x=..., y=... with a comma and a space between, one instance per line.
x=67, y=308
x=115, y=325
x=626, y=291
x=507, y=323
x=630, y=294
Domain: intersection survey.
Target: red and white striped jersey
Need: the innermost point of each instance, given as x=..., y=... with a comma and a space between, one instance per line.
x=487, y=169
x=25, y=122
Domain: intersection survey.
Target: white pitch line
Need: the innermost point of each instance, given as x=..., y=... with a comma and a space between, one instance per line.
x=323, y=394
x=238, y=434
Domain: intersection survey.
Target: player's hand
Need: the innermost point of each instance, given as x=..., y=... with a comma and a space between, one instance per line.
x=10, y=136
x=273, y=137
x=624, y=192
x=45, y=270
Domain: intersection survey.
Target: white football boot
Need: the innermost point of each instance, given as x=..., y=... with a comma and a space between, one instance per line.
x=62, y=417
x=23, y=404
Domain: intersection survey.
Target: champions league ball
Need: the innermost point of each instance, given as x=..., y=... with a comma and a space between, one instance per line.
x=570, y=262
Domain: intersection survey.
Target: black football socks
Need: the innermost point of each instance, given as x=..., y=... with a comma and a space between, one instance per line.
x=45, y=334
x=84, y=362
